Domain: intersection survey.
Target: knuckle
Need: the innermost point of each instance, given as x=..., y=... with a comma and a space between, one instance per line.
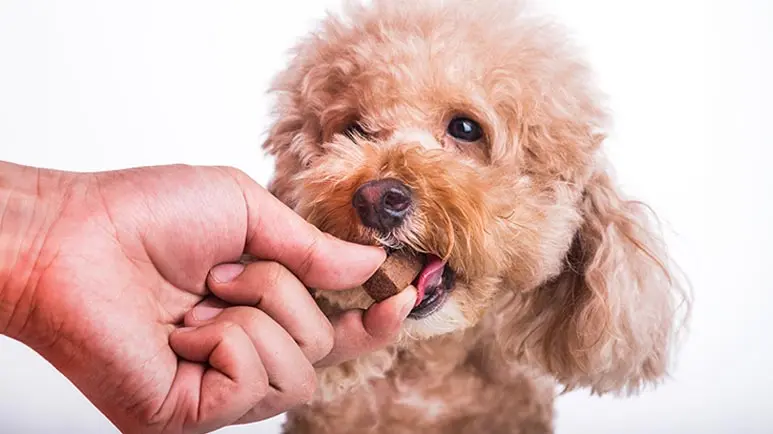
x=275, y=274
x=322, y=342
x=307, y=384
x=308, y=256
x=256, y=319
x=248, y=318
x=259, y=387
x=234, y=172
x=231, y=330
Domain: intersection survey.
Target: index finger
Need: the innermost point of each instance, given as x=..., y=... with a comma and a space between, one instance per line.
x=276, y=233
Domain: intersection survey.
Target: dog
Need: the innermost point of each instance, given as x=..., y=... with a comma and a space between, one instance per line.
x=478, y=133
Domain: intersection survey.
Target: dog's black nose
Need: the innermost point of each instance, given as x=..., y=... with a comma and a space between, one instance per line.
x=382, y=204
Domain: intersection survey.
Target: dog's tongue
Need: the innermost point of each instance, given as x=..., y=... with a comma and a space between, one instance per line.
x=430, y=276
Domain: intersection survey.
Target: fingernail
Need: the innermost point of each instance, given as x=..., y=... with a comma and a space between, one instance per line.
x=225, y=273
x=205, y=312
x=185, y=329
x=409, y=301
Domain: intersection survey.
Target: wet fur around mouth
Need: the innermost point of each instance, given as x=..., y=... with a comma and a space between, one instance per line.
x=558, y=278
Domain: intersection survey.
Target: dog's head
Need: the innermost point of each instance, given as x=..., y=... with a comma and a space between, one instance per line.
x=472, y=135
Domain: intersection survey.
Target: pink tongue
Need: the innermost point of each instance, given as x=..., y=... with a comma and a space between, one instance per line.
x=429, y=276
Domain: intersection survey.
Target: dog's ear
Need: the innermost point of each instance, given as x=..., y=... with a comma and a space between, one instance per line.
x=286, y=162
x=292, y=132
x=609, y=319
x=303, y=93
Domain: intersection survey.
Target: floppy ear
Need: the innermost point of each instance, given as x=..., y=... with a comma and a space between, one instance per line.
x=287, y=164
x=292, y=134
x=304, y=93
x=609, y=319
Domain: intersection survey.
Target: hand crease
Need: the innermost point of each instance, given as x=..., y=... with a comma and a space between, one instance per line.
x=249, y=234
x=307, y=260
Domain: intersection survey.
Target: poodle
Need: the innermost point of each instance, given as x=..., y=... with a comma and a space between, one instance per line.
x=470, y=133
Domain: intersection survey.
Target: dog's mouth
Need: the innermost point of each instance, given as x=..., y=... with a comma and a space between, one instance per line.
x=434, y=283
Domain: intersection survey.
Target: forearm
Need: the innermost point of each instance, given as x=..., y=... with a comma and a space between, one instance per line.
x=30, y=199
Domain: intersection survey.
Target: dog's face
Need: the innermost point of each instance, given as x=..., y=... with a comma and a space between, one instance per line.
x=471, y=137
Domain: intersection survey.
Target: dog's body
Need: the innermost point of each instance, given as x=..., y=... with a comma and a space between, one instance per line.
x=478, y=135
x=445, y=385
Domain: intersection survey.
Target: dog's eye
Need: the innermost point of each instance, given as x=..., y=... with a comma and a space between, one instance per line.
x=354, y=130
x=465, y=129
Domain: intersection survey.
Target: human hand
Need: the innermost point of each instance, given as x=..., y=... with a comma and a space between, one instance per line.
x=100, y=270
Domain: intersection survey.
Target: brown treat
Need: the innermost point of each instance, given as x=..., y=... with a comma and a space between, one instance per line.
x=395, y=274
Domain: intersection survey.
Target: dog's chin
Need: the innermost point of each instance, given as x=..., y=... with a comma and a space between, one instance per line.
x=448, y=317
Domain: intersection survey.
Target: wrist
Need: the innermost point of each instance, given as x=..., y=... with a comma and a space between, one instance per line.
x=30, y=203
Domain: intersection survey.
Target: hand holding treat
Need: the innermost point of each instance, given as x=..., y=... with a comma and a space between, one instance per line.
x=127, y=282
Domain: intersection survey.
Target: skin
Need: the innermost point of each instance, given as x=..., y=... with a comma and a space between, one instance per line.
x=128, y=282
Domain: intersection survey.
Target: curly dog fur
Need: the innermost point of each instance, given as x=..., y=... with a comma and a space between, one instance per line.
x=561, y=280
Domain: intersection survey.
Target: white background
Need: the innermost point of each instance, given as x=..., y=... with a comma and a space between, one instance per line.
x=94, y=85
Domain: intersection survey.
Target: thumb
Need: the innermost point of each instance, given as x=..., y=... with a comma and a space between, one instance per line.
x=276, y=233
